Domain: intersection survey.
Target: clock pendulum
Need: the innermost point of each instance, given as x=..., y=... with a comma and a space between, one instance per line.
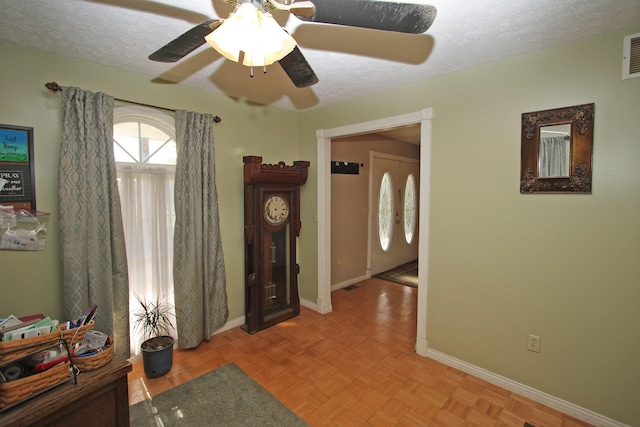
x=272, y=225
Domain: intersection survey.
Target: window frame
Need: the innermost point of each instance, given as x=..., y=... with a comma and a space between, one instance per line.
x=151, y=117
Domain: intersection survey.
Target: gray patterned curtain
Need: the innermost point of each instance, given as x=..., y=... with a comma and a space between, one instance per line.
x=94, y=263
x=198, y=263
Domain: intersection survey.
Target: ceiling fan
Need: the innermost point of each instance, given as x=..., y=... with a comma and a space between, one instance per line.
x=403, y=17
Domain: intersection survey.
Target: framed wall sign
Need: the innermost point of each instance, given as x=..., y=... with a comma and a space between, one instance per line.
x=17, y=179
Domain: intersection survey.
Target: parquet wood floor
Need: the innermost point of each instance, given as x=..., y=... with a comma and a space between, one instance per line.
x=355, y=367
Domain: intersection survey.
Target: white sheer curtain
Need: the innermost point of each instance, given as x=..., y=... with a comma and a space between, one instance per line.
x=553, y=157
x=146, y=194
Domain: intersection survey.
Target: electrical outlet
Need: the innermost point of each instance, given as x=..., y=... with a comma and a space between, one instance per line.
x=533, y=343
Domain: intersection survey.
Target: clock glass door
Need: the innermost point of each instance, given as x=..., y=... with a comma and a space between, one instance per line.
x=276, y=280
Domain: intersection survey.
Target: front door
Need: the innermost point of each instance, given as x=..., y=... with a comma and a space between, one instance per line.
x=394, y=207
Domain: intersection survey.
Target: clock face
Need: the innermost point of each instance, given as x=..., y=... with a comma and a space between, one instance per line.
x=276, y=209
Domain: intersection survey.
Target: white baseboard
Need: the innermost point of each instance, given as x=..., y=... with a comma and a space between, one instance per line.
x=525, y=391
x=308, y=304
x=349, y=282
x=239, y=321
x=233, y=323
x=421, y=347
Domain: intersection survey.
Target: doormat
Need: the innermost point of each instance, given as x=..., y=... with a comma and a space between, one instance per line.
x=406, y=274
x=226, y=396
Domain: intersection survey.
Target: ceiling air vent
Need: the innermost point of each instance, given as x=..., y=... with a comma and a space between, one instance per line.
x=631, y=57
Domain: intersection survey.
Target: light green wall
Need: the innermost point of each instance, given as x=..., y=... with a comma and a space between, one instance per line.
x=503, y=265
x=31, y=281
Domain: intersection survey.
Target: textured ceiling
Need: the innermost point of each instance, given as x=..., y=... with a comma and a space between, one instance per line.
x=348, y=61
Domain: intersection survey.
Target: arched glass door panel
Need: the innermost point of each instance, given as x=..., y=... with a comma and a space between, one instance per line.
x=385, y=212
x=409, y=209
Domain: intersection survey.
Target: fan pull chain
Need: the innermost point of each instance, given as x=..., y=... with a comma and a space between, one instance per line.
x=264, y=70
x=264, y=67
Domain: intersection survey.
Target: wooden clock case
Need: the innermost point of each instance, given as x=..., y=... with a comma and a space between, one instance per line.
x=271, y=269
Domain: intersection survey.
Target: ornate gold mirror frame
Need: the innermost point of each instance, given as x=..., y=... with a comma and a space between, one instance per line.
x=572, y=128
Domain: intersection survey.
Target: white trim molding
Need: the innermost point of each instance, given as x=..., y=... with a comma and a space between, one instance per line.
x=349, y=282
x=538, y=396
x=233, y=323
x=308, y=304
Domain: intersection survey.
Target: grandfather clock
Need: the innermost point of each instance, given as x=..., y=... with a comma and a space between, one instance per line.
x=271, y=224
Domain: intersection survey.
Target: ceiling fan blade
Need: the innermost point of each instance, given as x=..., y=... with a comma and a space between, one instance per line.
x=298, y=69
x=185, y=43
x=377, y=14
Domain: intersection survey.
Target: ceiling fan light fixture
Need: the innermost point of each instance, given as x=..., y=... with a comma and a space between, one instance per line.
x=253, y=32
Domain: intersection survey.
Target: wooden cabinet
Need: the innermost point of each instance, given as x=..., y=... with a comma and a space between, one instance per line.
x=100, y=399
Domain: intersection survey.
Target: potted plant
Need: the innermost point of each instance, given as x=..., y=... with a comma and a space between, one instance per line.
x=154, y=320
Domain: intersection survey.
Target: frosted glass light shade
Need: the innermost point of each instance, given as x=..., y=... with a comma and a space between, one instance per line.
x=253, y=32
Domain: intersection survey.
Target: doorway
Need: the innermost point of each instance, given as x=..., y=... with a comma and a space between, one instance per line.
x=424, y=118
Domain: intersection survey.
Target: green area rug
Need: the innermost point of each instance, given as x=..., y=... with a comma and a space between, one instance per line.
x=406, y=274
x=224, y=397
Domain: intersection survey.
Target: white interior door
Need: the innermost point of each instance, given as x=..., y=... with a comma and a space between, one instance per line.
x=394, y=192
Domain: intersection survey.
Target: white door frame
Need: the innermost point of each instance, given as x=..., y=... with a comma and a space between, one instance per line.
x=424, y=118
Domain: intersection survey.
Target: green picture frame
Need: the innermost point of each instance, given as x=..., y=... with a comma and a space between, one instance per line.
x=17, y=173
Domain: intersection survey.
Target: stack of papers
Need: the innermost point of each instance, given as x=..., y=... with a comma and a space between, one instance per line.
x=12, y=328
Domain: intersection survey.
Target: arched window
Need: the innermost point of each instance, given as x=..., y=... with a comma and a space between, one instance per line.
x=145, y=152
x=143, y=136
x=385, y=212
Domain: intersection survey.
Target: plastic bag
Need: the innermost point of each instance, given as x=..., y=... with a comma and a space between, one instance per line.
x=26, y=232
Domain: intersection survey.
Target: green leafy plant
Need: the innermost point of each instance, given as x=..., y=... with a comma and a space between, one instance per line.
x=155, y=320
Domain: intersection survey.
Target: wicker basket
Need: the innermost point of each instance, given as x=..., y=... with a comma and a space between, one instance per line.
x=15, y=391
x=11, y=350
x=75, y=335
x=93, y=362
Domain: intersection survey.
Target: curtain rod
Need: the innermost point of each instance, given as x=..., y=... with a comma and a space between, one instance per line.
x=54, y=87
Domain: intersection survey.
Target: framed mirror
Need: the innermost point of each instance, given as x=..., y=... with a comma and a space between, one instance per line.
x=556, y=150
